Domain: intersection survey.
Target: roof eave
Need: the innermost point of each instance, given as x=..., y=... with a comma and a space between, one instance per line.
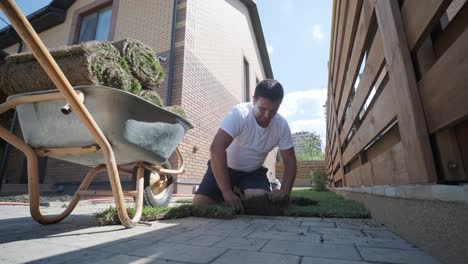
x=257, y=26
x=43, y=19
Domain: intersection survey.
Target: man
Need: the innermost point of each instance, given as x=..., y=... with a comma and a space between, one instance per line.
x=246, y=135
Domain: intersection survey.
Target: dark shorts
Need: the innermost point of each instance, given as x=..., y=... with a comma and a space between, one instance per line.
x=244, y=180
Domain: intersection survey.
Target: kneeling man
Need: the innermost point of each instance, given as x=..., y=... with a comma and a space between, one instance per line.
x=247, y=134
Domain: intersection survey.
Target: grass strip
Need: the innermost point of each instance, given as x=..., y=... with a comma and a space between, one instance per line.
x=302, y=203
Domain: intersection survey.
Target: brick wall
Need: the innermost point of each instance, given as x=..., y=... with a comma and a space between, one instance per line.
x=304, y=170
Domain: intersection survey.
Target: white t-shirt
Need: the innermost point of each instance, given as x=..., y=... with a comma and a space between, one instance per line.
x=252, y=143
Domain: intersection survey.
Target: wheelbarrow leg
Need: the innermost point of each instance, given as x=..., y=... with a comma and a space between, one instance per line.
x=33, y=180
x=139, y=197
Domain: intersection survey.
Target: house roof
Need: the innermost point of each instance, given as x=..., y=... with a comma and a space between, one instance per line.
x=55, y=13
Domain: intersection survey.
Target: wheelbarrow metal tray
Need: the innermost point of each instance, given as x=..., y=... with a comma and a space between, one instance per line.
x=136, y=129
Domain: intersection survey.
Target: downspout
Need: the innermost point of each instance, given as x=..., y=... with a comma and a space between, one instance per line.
x=171, y=57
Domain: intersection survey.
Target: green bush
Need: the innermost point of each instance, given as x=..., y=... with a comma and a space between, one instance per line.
x=318, y=181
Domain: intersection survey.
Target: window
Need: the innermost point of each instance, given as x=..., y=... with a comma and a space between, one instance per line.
x=95, y=26
x=246, y=85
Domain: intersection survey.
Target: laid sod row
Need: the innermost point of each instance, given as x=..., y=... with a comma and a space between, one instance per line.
x=329, y=205
x=303, y=203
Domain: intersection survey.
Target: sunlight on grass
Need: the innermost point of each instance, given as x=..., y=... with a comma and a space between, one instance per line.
x=330, y=205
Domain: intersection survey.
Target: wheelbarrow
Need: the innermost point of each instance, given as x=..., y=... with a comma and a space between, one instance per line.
x=96, y=126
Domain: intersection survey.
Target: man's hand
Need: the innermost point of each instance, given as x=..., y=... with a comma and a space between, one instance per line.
x=279, y=196
x=232, y=199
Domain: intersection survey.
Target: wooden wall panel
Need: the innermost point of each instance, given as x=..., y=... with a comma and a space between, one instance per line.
x=443, y=88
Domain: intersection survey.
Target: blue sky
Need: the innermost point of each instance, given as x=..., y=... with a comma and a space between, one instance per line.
x=297, y=34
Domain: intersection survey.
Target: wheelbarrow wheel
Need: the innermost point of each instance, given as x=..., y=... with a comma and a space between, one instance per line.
x=158, y=188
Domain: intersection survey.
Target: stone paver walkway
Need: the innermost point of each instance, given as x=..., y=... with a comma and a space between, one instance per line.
x=77, y=239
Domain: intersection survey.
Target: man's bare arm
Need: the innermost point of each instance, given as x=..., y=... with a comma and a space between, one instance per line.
x=290, y=169
x=221, y=142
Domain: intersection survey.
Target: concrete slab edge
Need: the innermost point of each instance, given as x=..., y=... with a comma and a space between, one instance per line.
x=431, y=192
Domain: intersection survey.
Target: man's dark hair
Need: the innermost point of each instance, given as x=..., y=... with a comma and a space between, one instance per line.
x=270, y=89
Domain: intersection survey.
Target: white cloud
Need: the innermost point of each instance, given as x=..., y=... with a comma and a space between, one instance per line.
x=309, y=101
x=317, y=32
x=270, y=49
x=304, y=111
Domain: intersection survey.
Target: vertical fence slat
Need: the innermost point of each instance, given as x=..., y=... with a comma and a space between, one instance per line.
x=337, y=136
x=354, y=13
x=339, y=36
x=413, y=131
x=379, y=116
x=373, y=65
x=360, y=42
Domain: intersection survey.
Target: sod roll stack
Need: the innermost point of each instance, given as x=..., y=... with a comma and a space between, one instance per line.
x=127, y=64
x=84, y=64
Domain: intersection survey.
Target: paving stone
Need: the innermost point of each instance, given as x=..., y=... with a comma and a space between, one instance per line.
x=395, y=255
x=78, y=239
x=319, y=224
x=369, y=242
x=233, y=224
x=276, y=221
x=124, y=259
x=125, y=246
x=309, y=219
x=290, y=228
x=360, y=226
x=154, y=236
x=5, y=261
x=382, y=234
x=71, y=257
x=312, y=249
x=181, y=238
x=244, y=256
x=275, y=235
x=217, y=231
x=205, y=240
x=311, y=260
x=242, y=243
x=179, y=252
x=336, y=232
x=35, y=251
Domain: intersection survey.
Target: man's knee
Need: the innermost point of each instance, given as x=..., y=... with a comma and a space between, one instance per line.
x=200, y=199
x=249, y=193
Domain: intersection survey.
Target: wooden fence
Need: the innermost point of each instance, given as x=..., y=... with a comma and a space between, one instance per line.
x=304, y=170
x=397, y=105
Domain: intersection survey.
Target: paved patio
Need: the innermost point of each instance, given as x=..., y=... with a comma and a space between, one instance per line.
x=77, y=239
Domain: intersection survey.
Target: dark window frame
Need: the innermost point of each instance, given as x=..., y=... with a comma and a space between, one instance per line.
x=84, y=11
x=245, y=80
